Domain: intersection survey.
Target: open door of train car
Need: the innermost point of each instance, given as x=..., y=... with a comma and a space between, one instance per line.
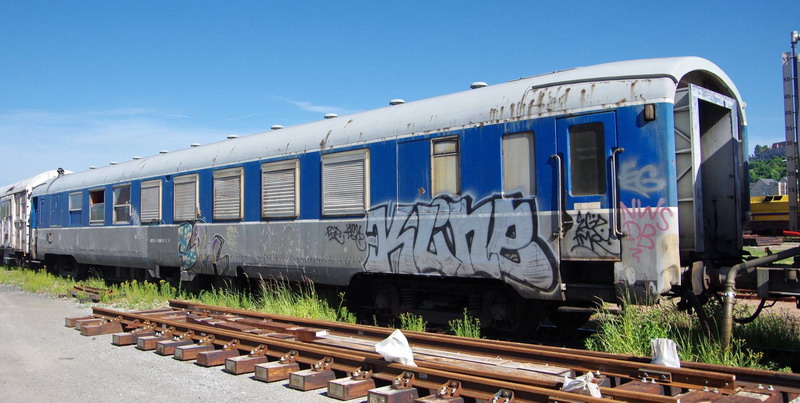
x=709, y=174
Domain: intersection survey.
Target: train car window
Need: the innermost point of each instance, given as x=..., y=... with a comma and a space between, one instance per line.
x=5, y=211
x=122, y=204
x=445, y=177
x=150, y=207
x=280, y=189
x=587, y=156
x=185, y=198
x=97, y=209
x=519, y=164
x=75, y=201
x=345, y=183
x=228, y=194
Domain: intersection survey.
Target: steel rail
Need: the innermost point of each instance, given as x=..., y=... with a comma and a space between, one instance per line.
x=789, y=382
x=709, y=376
x=475, y=383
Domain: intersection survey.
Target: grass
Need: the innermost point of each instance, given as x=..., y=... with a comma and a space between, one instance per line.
x=761, y=251
x=631, y=331
x=409, y=321
x=39, y=281
x=466, y=326
x=277, y=297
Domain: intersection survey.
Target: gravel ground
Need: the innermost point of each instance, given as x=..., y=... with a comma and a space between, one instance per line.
x=42, y=360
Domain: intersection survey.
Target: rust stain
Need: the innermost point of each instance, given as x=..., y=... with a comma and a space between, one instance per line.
x=325, y=140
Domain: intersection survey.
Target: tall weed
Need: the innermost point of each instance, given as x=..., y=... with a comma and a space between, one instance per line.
x=409, y=321
x=630, y=332
x=466, y=326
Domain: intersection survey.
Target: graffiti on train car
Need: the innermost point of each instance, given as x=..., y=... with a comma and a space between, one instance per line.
x=641, y=180
x=592, y=232
x=642, y=225
x=210, y=252
x=496, y=237
x=351, y=232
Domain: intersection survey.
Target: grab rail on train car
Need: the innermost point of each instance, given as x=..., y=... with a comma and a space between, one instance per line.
x=559, y=166
x=614, y=195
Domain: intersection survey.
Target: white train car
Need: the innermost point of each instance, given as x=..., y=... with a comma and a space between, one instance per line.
x=14, y=216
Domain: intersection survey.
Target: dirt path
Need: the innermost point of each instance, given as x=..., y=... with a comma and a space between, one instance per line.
x=41, y=360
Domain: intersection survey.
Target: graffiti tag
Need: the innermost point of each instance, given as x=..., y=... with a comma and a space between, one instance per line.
x=352, y=232
x=592, y=233
x=211, y=252
x=643, y=224
x=643, y=181
x=494, y=238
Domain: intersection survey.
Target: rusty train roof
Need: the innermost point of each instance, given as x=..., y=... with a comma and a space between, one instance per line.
x=576, y=90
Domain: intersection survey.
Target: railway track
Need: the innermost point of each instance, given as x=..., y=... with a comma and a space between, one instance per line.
x=341, y=357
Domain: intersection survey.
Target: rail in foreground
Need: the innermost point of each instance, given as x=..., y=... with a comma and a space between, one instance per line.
x=275, y=347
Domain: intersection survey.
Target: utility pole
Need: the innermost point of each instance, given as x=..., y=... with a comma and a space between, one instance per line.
x=791, y=104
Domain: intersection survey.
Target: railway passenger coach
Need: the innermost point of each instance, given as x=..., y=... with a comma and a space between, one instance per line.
x=15, y=234
x=545, y=193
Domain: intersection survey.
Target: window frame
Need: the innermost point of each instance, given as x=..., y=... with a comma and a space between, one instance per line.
x=277, y=166
x=236, y=172
x=79, y=207
x=344, y=156
x=598, y=157
x=128, y=205
x=5, y=208
x=434, y=156
x=154, y=183
x=531, y=136
x=183, y=179
x=92, y=203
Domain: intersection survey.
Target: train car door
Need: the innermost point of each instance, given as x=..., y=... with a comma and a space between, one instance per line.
x=709, y=173
x=413, y=171
x=587, y=148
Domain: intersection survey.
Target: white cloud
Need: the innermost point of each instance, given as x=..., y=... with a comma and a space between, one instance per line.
x=34, y=141
x=310, y=107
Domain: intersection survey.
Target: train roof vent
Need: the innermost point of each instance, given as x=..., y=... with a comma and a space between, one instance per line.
x=193, y=145
x=478, y=84
x=136, y=157
x=276, y=127
x=330, y=115
x=396, y=101
x=163, y=152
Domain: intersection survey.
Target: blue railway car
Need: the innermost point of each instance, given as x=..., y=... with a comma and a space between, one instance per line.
x=543, y=194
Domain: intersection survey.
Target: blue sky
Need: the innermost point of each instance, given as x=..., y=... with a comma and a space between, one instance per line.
x=88, y=82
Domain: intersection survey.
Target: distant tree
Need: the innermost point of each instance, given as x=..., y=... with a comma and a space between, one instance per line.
x=759, y=150
x=773, y=168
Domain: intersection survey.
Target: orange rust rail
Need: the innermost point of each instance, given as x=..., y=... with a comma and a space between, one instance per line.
x=692, y=375
x=476, y=384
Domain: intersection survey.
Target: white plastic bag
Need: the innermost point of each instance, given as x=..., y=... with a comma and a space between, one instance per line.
x=665, y=352
x=395, y=348
x=582, y=385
